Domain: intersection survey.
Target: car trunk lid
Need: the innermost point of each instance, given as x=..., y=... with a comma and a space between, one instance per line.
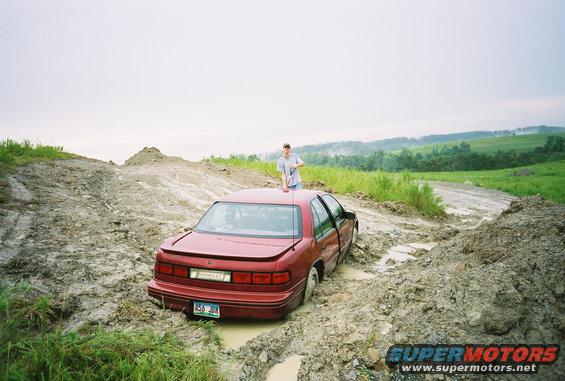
x=229, y=246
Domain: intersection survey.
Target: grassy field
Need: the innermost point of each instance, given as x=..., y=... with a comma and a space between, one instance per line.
x=32, y=347
x=519, y=143
x=547, y=179
x=380, y=186
x=13, y=153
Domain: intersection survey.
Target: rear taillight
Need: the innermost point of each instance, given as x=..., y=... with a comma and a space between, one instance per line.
x=165, y=268
x=239, y=277
x=279, y=278
x=261, y=278
x=181, y=271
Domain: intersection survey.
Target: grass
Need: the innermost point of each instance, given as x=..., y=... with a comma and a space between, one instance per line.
x=380, y=186
x=519, y=143
x=211, y=327
x=547, y=179
x=13, y=153
x=32, y=347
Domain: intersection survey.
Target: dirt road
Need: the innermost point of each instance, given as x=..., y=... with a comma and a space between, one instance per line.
x=86, y=231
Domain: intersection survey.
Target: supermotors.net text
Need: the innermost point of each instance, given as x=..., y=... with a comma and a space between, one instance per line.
x=452, y=369
x=471, y=358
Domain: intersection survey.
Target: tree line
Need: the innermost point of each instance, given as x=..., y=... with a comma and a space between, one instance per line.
x=458, y=157
x=448, y=158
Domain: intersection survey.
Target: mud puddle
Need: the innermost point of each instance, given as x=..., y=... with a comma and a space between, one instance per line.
x=351, y=273
x=236, y=333
x=286, y=370
x=400, y=254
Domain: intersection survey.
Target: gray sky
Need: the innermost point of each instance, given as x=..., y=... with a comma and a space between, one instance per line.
x=105, y=78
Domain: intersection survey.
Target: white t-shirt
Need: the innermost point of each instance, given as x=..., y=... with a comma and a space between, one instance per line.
x=292, y=174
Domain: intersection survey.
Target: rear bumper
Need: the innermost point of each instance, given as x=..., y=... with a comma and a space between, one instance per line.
x=233, y=304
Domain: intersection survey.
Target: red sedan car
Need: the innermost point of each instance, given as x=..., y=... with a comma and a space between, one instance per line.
x=256, y=253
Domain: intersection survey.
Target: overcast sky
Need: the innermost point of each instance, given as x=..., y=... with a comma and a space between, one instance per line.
x=106, y=78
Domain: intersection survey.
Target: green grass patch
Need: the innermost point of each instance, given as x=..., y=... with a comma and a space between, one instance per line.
x=380, y=186
x=13, y=153
x=211, y=327
x=32, y=347
x=518, y=143
x=546, y=179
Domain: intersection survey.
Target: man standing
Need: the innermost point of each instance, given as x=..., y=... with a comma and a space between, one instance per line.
x=288, y=164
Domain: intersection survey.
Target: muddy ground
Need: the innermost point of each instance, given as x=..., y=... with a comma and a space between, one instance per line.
x=85, y=232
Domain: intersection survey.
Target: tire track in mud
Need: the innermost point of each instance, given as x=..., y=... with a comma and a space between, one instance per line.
x=86, y=231
x=17, y=219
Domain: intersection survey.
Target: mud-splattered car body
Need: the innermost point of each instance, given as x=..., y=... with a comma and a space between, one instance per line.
x=227, y=273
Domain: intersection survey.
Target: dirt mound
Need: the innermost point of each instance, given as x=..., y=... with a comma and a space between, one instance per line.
x=491, y=242
x=318, y=185
x=400, y=208
x=149, y=155
x=499, y=283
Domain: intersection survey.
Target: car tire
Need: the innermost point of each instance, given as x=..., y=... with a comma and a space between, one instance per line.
x=354, y=236
x=311, y=283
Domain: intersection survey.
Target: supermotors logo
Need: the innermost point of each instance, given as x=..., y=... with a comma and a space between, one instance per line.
x=471, y=358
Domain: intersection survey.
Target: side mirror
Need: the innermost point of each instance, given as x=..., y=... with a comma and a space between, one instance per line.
x=349, y=215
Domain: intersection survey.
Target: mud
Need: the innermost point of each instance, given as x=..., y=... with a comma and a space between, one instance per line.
x=85, y=232
x=235, y=333
x=286, y=370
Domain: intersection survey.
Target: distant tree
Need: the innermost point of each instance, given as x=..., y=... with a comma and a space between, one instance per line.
x=390, y=163
x=405, y=160
x=554, y=143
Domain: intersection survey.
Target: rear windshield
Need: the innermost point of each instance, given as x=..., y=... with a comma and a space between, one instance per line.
x=252, y=220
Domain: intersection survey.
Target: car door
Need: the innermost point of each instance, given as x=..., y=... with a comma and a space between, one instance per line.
x=344, y=226
x=325, y=234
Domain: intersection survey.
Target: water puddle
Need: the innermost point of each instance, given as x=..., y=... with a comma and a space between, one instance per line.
x=351, y=273
x=286, y=370
x=399, y=254
x=237, y=333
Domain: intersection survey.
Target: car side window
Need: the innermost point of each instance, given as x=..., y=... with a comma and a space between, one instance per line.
x=335, y=208
x=318, y=233
x=322, y=220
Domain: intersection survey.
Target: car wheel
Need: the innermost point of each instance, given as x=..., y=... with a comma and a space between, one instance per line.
x=355, y=236
x=311, y=284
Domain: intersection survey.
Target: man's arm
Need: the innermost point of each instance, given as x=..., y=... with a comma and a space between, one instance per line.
x=299, y=162
x=280, y=168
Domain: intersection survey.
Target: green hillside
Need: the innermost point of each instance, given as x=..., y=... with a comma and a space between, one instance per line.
x=519, y=143
x=547, y=179
x=13, y=153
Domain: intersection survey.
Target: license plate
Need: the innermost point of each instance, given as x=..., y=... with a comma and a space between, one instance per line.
x=206, y=309
x=214, y=275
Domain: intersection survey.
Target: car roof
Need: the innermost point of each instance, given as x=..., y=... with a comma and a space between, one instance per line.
x=271, y=196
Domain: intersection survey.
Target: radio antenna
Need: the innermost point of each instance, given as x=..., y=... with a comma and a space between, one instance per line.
x=292, y=216
x=292, y=209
